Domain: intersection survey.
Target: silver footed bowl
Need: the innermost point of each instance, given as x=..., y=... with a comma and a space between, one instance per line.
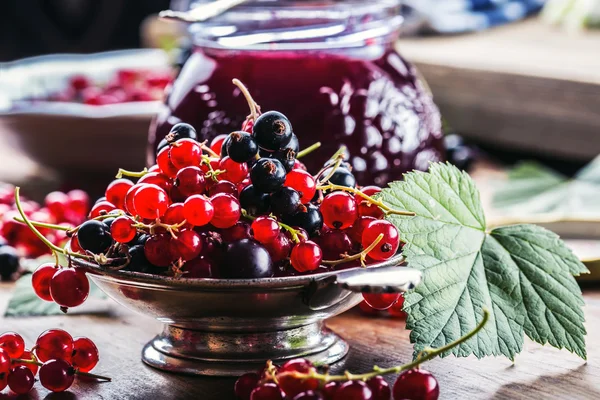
x=226, y=327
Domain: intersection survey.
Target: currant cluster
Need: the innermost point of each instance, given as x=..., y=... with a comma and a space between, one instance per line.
x=298, y=379
x=125, y=85
x=16, y=240
x=243, y=207
x=56, y=360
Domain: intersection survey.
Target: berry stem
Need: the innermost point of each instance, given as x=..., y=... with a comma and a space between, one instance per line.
x=24, y=361
x=211, y=174
x=293, y=232
x=254, y=108
x=308, y=150
x=385, y=208
x=39, y=235
x=44, y=225
x=210, y=151
x=123, y=172
x=157, y=224
x=425, y=355
x=362, y=256
x=94, y=376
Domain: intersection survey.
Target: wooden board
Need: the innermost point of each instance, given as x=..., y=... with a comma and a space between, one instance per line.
x=525, y=86
x=537, y=373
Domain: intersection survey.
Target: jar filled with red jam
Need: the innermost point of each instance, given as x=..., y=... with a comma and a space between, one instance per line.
x=330, y=66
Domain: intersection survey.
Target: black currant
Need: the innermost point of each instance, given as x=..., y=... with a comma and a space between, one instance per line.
x=287, y=158
x=272, y=131
x=293, y=144
x=246, y=259
x=241, y=147
x=9, y=262
x=178, y=131
x=285, y=201
x=308, y=218
x=343, y=164
x=139, y=263
x=94, y=236
x=341, y=176
x=254, y=202
x=108, y=221
x=268, y=175
x=224, y=146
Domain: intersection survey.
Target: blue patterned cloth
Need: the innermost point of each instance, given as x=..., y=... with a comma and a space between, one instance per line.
x=456, y=16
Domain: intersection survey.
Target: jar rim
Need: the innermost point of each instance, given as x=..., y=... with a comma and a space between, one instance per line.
x=301, y=25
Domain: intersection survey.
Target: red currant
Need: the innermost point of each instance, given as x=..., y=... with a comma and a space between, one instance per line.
x=100, y=208
x=217, y=143
x=79, y=202
x=280, y=248
x=57, y=375
x=116, y=192
x=150, y=201
x=13, y=343
x=187, y=246
x=164, y=163
x=416, y=384
x=303, y=183
x=330, y=389
x=240, y=230
x=174, y=214
x=339, y=210
x=353, y=390
x=27, y=355
x=223, y=187
x=292, y=386
x=388, y=246
x=380, y=388
x=69, y=287
x=85, y=354
x=122, y=229
x=306, y=256
x=129, y=197
x=356, y=230
x=185, y=153
x=199, y=268
x=335, y=244
x=158, y=179
x=245, y=384
x=40, y=280
x=190, y=181
x=3, y=381
x=234, y=172
x=265, y=229
x=158, y=250
x=21, y=380
x=57, y=203
x=54, y=343
x=227, y=210
x=4, y=362
x=396, y=310
x=267, y=391
x=198, y=210
x=381, y=301
x=368, y=209
x=309, y=395
x=365, y=308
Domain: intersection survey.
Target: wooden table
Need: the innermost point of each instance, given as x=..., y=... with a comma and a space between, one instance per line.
x=538, y=372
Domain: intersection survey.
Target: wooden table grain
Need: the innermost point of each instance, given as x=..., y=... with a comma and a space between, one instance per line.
x=537, y=373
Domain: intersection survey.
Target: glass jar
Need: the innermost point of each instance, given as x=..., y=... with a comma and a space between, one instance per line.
x=330, y=66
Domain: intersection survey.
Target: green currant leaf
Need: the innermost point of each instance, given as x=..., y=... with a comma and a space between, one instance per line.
x=532, y=188
x=523, y=274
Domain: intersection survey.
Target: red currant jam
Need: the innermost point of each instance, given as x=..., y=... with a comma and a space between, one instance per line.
x=349, y=87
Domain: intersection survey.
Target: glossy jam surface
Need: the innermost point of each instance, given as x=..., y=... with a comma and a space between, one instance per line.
x=372, y=103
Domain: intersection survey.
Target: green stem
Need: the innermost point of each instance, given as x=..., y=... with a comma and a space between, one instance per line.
x=39, y=235
x=293, y=232
x=44, y=225
x=123, y=172
x=251, y=103
x=308, y=150
x=210, y=151
x=427, y=355
x=360, y=256
x=385, y=208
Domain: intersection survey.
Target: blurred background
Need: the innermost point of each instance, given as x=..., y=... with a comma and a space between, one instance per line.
x=508, y=90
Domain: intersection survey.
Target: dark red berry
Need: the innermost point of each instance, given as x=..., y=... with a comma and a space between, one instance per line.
x=353, y=390
x=13, y=344
x=416, y=384
x=21, y=380
x=122, y=229
x=265, y=229
x=85, y=354
x=69, y=287
x=306, y=256
x=40, y=280
x=245, y=384
x=158, y=250
x=190, y=181
x=365, y=208
x=339, y=210
x=198, y=210
x=54, y=343
x=381, y=301
x=380, y=388
x=227, y=210
x=186, y=246
x=57, y=375
x=267, y=391
x=388, y=246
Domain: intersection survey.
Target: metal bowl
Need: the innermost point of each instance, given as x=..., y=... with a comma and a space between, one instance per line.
x=225, y=327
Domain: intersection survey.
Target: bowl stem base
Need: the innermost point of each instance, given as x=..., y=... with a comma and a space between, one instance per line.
x=194, y=352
